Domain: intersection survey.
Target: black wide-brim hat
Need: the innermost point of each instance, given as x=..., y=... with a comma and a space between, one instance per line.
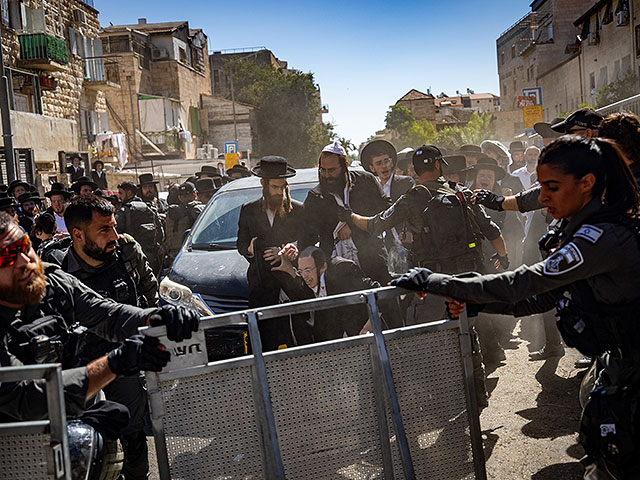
x=273, y=166
x=6, y=202
x=381, y=146
x=58, y=189
x=485, y=162
x=28, y=197
x=146, y=179
x=83, y=181
x=18, y=183
x=455, y=164
x=98, y=162
x=208, y=185
x=208, y=170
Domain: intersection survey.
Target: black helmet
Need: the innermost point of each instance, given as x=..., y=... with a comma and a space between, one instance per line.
x=93, y=456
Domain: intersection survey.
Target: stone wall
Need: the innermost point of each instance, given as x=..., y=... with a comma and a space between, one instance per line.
x=561, y=89
x=220, y=124
x=422, y=109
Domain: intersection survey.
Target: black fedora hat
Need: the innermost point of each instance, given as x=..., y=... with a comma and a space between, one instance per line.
x=208, y=185
x=146, y=179
x=28, y=197
x=470, y=149
x=375, y=148
x=208, y=170
x=7, y=202
x=18, y=183
x=273, y=166
x=81, y=182
x=455, y=164
x=98, y=162
x=58, y=188
x=485, y=162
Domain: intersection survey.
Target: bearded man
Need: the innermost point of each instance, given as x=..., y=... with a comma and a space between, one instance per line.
x=266, y=227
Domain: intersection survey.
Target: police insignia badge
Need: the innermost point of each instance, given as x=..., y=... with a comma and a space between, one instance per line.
x=589, y=233
x=564, y=260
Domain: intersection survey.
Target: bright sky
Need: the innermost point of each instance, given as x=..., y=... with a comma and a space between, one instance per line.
x=364, y=55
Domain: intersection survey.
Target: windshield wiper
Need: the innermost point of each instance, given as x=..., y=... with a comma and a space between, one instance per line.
x=209, y=246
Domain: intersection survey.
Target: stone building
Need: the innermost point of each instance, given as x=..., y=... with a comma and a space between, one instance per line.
x=164, y=71
x=221, y=126
x=422, y=105
x=56, y=77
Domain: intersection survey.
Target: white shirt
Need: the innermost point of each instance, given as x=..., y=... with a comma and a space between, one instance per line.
x=386, y=187
x=525, y=177
x=62, y=227
x=321, y=288
x=271, y=215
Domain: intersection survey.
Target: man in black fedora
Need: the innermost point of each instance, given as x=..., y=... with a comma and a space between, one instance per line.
x=206, y=187
x=18, y=187
x=267, y=228
x=208, y=171
x=84, y=186
x=238, y=171
x=516, y=149
x=148, y=191
x=26, y=217
x=59, y=197
x=75, y=169
x=9, y=205
x=99, y=176
x=455, y=170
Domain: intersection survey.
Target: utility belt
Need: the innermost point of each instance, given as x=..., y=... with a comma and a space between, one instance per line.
x=47, y=340
x=610, y=422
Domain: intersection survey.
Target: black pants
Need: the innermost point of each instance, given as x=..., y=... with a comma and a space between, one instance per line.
x=130, y=392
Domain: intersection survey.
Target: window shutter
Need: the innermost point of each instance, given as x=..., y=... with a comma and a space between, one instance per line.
x=73, y=43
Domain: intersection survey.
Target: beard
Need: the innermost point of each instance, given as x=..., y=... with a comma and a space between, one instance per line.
x=91, y=249
x=29, y=294
x=336, y=186
x=276, y=203
x=149, y=197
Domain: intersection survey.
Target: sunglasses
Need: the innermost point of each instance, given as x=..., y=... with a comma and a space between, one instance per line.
x=9, y=254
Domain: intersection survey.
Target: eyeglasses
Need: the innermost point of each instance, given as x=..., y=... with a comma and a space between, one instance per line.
x=384, y=161
x=306, y=271
x=9, y=254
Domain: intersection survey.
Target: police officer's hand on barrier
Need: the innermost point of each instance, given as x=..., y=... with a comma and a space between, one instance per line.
x=180, y=321
x=138, y=353
x=414, y=279
x=488, y=199
x=500, y=262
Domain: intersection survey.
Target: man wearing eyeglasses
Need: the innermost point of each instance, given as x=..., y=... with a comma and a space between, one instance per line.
x=42, y=314
x=339, y=188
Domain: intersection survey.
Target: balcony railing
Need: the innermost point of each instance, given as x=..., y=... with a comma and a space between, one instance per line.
x=40, y=49
x=88, y=2
x=101, y=71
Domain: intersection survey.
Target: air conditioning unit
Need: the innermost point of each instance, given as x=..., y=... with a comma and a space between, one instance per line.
x=80, y=17
x=622, y=18
x=594, y=38
x=159, y=53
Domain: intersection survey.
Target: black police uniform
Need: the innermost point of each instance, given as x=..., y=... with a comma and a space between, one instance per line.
x=592, y=279
x=180, y=218
x=67, y=301
x=126, y=278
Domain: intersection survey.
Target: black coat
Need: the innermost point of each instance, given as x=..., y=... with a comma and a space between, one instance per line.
x=400, y=184
x=100, y=180
x=75, y=174
x=264, y=288
x=341, y=276
x=366, y=198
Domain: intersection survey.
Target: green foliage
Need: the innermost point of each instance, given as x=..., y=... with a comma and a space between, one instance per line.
x=399, y=118
x=625, y=87
x=288, y=111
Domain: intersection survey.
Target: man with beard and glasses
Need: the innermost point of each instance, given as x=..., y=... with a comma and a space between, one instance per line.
x=115, y=267
x=42, y=312
x=266, y=226
x=355, y=190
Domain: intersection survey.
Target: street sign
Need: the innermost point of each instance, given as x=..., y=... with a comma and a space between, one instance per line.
x=231, y=147
x=532, y=115
x=526, y=101
x=533, y=92
x=230, y=159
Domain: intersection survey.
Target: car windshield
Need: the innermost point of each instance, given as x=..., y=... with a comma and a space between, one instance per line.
x=219, y=225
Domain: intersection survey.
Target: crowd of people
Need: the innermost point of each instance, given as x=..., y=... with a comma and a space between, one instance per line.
x=464, y=224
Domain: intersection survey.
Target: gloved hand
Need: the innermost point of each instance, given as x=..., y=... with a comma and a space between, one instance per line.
x=502, y=261
x=138, y=353
x=414, y=279
x=180, y=321
x=489, y=199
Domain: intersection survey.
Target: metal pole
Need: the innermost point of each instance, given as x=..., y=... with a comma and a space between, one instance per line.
x=7, y=135
x=233, y=105
x=153, y=169
x=133, y=122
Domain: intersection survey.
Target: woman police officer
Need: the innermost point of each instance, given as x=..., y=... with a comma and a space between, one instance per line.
x=591, y=277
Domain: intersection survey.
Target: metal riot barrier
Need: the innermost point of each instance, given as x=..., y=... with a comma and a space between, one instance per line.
x=36, y=450
x=393, y=404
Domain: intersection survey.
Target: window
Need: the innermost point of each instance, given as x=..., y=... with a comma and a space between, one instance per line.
x=637, y=40
x=183, y=54
x=24, y=91
x=501, y=58
x=603, y=78
x=592, y=81
x=513, y=51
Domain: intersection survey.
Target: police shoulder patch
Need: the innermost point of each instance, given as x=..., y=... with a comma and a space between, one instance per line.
x=589, y=232
x=564, y=260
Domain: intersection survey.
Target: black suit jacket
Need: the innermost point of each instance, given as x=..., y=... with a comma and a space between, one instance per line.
x=341, y=276
x=366, y=198
x=264, y=288
x=75, y=174
x=400, y=184
x=101, y=180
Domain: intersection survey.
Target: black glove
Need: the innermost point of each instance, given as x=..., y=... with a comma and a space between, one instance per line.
x=489, y=200
x=180, y=321
x=138, y=353
x=414, y=279
x=504, y=261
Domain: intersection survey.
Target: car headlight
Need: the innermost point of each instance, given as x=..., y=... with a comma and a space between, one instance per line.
x=177, y=294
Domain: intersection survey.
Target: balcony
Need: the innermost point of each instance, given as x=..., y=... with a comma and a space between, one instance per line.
x=101, y=73
x=43, y=51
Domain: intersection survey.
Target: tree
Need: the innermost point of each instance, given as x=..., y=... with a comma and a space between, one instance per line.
x=288, y=114
x=625, y=87
x=399, y=118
